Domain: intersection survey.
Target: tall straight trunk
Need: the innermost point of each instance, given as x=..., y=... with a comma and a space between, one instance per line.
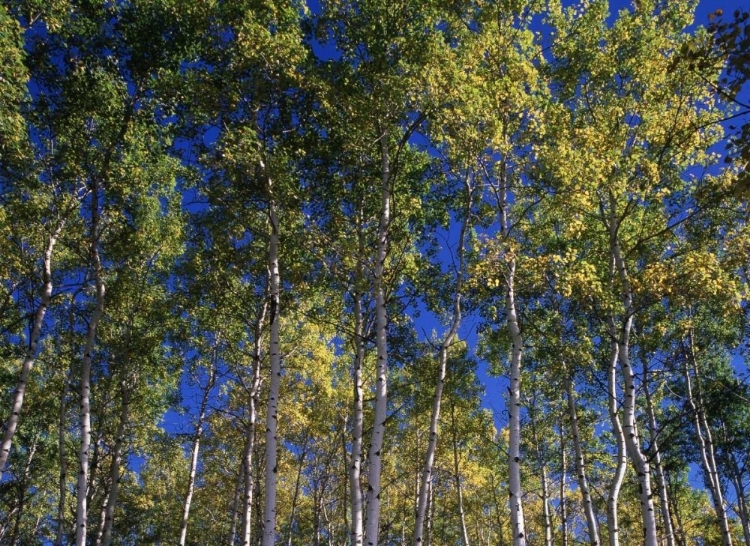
x=613, y=497
x=355, y=464
x=457, y=479
x=106, y=536
x=545, y=485
x=583, y=483
x=194, y=453
x=705, y=441
x=632, y=440
x=430, y=517
x=514, y=420
x=669, y=537
x=442, y=371
x=236, y=505
x=11, y=424
x=381, y=325
x=83, y=454
x=633, y=445
x=269, y=513
x=563, y=486
x=247, y=455
x=515, y=492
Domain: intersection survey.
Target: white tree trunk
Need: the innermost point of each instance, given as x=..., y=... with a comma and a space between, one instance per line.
x=442, y=371
x=705, y=442
x=269, y=513
x=253, y=402
x=613, y=498
x=540, y=455
x=83, y=454
x=583, y=483
x=106, y=535
x=381, y=383
x=194, y=454
x=514, y=410
x=11, y=424
x=630, y=429
x=355, y=466
x=457, y=479
x=661, y=482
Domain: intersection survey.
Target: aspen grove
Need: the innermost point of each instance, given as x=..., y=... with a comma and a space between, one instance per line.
x=374, y=272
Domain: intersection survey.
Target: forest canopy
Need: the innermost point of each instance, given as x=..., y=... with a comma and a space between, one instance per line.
x=374, y=272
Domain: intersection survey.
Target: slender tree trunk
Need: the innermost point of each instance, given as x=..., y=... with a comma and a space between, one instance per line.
x=236, y=504
x=355, y=466
x=563, y=486
x=514, y=422
x=106, y=536
x=430, y=516
x=249, y=450
x=545, y=487
x=269, y=514
x=656, y=457
x=705, y=442
x=442, y=372
x=613, y=521
x=457, y=479
x=633, y=445
x=194, y=453
x=83, y=455
x=583, y=483
x=381, y=342
x=632, y=439
x=11, y=424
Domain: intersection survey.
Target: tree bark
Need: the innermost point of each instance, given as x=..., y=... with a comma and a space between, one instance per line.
x=381, y=341
x=253, y=402
x=194, y=453
x=269, y=513
x=630, y=429
x=705, y=442
x=355, y=466
x=457, y=479
x=514, y=421
x=583, y=483
x=442, y=372
x=656, y=457
x=106, y=536
x=545, y=487
x=83, y=454
x=11, y=424
x=613, y=497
